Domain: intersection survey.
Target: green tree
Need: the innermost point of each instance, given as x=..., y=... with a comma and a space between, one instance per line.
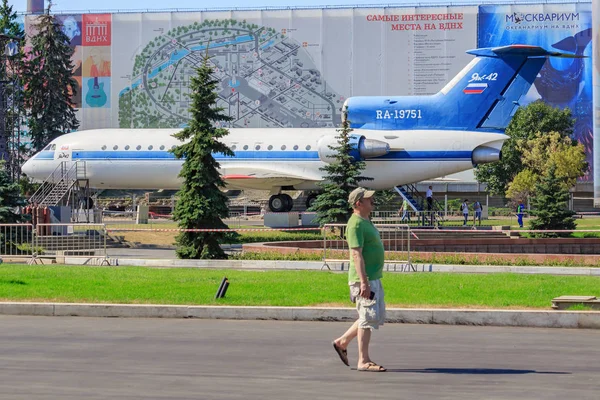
x=538, y=154
x=49, y=83
x=8, y=21
x=536, y=118
x=10, y=74
x=10, y=198
x=550, y=205
x=342, y=176
x=202, y=204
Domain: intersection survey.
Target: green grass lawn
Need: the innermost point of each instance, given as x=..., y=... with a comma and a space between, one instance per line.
x=136, y=285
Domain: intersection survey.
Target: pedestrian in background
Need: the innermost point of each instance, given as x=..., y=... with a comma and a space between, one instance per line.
x=429, y=197
x=405, y=212
x=465, y=210
x=520, y=211
x=477, y=209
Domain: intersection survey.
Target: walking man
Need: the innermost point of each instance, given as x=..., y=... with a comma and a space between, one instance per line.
x=405, y=212
x=520, y=211
x=465, y=210
x=429, y=197
x=364, y=276
x=477, y=209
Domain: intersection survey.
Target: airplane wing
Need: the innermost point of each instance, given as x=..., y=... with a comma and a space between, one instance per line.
x=444, y=179
x=250, y=177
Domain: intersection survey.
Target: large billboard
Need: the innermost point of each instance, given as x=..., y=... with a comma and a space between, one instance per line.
x=596, y=79
x=295, y=67
x=278, y=68
x=562, y=82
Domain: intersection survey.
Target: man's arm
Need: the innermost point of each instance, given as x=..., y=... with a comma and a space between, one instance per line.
x=359, y=264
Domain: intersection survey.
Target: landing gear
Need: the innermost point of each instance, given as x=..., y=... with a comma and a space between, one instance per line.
x=86, y=203
x=310, y=200
x=281, y=203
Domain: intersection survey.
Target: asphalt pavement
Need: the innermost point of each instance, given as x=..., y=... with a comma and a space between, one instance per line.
x=45, y=358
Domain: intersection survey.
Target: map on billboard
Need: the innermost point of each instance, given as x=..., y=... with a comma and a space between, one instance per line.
x=279, y=68
x=264, y=75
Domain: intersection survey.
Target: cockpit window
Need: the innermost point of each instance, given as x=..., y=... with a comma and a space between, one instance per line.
x=48, y=147
x=53, y=147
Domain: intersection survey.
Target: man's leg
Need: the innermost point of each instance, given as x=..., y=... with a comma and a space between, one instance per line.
x=364, y=337
x=344, y=340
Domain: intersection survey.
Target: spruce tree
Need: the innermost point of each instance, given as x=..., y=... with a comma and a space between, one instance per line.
x=8, y=21
x=10, y=198
x=550, y=206
x=202, y=204
x=11, y=82
x=49, y=83
x=343, y=176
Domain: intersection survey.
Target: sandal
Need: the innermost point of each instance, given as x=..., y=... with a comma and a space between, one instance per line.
x=372, y=367
x=342, y=353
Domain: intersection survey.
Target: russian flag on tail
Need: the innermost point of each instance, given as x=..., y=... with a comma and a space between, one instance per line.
x=475, y=88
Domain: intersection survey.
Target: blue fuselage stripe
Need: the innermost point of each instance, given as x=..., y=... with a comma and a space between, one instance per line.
x=267, y=155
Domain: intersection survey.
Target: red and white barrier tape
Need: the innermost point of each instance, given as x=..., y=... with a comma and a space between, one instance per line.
x=209, y=230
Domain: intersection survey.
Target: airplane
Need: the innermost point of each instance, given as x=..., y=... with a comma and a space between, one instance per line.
x=402, y=139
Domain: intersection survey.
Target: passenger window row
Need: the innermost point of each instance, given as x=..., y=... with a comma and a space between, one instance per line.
x=234, y=147
x=138, y=147
x=270, y=147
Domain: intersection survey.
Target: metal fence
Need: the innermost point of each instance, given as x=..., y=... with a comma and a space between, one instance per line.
x=22, y=242
x=16, y=241
x=396, y=243
x=412, y=218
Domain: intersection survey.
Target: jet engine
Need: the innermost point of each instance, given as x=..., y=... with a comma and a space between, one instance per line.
x=485, y=155
x=362, y=148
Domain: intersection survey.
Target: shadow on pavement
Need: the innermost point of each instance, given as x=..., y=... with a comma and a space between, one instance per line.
x=477, y=371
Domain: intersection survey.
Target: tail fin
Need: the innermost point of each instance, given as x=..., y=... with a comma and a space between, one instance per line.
x=484, y=95
x=488, y=91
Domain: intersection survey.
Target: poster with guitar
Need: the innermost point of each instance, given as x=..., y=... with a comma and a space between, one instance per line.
x=96, y=92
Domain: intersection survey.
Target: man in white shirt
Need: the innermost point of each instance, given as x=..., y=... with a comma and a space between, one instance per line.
x=429, y=197
x=465, y=210
x=477, y=208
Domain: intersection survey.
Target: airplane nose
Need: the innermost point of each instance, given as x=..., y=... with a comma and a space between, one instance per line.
x=28, y=168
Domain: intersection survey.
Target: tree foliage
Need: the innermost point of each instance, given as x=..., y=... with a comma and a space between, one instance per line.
x=538, y=154
x=342, y=176
x=10, y=198
x=538, y=118
x=49, y=83
x=202, y=204
x=550, y=205
x=11, y=76
x=8, y=21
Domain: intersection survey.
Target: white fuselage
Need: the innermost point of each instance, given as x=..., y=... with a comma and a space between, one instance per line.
x=139, y=158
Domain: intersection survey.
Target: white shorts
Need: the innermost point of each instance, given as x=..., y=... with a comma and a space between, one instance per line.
x=371, y=313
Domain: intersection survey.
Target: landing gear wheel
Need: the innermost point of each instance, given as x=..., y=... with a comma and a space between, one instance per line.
x=310, y=200
x=277, y=203
x=281, y=203
x=288, y=201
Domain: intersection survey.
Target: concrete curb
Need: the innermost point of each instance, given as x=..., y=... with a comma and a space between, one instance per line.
x=538, y=319
x=333, y=266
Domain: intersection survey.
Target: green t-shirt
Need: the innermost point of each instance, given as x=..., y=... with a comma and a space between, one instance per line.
x=362, y=233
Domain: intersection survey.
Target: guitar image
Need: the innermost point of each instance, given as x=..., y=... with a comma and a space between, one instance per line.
x=95, y=96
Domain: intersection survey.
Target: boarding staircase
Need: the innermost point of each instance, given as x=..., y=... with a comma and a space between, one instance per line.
x=417, y=202
x=65, y=186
